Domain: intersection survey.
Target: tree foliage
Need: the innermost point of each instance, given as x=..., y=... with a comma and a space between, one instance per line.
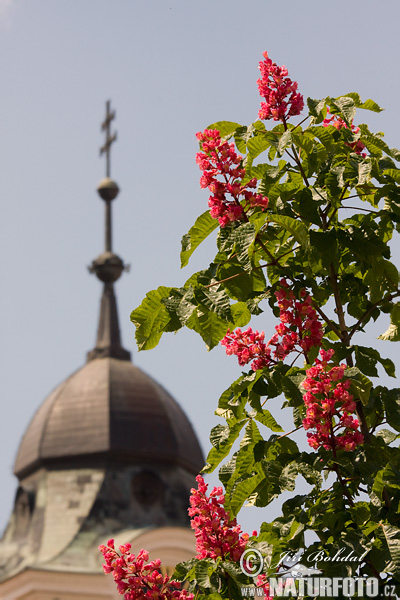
x=333, y=208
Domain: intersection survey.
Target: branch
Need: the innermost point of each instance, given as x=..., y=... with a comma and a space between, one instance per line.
x=369, y=311
x=331, y=324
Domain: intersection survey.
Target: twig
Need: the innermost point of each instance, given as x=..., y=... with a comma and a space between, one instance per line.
x=369, y=311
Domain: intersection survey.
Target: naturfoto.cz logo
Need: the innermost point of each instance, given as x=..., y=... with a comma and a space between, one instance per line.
x=294, y=579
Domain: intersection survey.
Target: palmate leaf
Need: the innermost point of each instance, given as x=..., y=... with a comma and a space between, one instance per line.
x=376, y=145
x=296, y=228
x=391, y=400
x=151, y=318
x=258, y=144
x=202, y=228
x=360, y=385
x=239, y=388
x=245, y=488
x=366, y=359
x=284, y=142
x=225, y=128
x=209, y=325
x=265, y=418
x=367, y=105
x=317, y=109
x=392, y=537
x=215, y=299
x=222, y=437
x=243, y=238
x=387, y=478
x=393, y=173
x=204, y=570
x=393, y=333
x=344, y=105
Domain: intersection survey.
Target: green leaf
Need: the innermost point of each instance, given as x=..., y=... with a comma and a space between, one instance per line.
x=284, y=142
x=345, y=106
x=367, y=105
x=244, y=237
x=366, y=359
x=296, y=228
x=360, y=384
x=240, y=314
x=360, y=512
x=243, y=489
x=151, y=318
x=393, y=333
x=392, y=537
x=287, y=479
x=291, y=383
x=222, y=437
x=202, y=228
x=225, y=128
x=204, y=571
x=393, y=173
x=215, y=299
x=391, y=400
x=183, y=569
x=387, y=435
x=324, y=246
x=258, y=144
x=307, y=207
x=265, y=418
x=209, y=325
x=317, y=109
x=311, y=475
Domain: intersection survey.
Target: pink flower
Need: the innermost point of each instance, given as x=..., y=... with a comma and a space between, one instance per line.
x=338, y=122
x=299, y=330
x=230, y=197
x=217, y=535
x=329, y=406
x=281, y=97
x=137, y=580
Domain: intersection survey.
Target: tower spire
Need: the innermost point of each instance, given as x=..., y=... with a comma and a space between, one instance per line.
x=106, y=126
x=108, y=266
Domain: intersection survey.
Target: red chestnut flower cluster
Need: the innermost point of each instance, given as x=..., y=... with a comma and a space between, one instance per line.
x=281, y=97
x=338, y=122
x=217, y=535
x=330, y=407
x=219, y=159
x=138, y=579
x=299, y=329
x=248, y=345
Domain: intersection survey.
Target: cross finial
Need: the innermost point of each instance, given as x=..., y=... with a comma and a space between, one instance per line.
x=106, y=126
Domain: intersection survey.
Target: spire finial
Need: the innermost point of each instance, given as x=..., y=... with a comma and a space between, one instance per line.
x=106, y=126
x=108, y=266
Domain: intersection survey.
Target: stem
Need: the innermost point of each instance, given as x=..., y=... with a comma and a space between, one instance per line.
x=343, y=484
x=298, y=124
x=369, y=311
x=289, y=432
x=296, y=158
x=375, y=212
x=223, y=280
x=345, y=337
x=331, y=324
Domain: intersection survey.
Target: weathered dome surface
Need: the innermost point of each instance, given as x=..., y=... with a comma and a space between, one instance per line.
x=109, y=411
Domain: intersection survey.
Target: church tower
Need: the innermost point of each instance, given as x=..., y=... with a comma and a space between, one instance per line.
x=109, y=453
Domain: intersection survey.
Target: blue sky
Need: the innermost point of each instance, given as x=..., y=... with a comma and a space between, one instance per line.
x=170, y=69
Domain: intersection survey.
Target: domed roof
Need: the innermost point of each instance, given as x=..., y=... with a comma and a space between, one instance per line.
x=109, y=411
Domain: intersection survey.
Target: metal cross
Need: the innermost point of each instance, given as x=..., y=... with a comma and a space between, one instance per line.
x=106, y=126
